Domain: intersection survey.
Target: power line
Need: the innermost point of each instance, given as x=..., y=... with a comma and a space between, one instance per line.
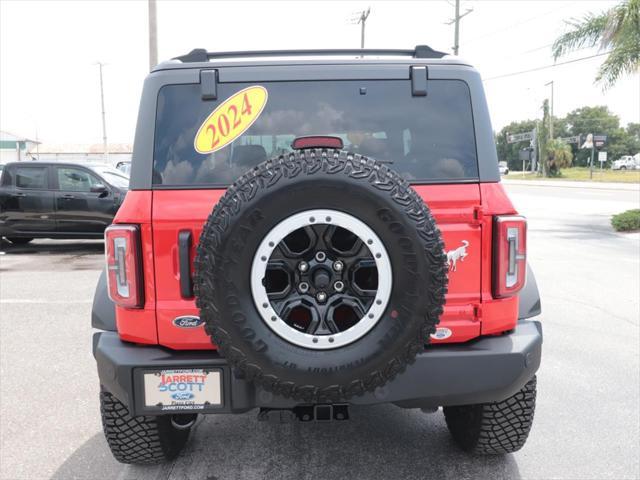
x=526, y=52
x=546, y=66
x=536, y=49
x=522, y=22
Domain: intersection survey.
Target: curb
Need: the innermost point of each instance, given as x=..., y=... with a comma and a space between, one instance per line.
x=629, y=187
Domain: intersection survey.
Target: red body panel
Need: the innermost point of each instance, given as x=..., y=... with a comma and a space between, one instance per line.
x=139, y=325
x=463, y=212
x=455, y=208
x=497, y=315
x=173, y=211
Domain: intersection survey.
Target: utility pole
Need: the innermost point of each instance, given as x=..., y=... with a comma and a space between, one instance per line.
x=37, y=143
x=536, y=146
x=363, y=20
x=153, y=35
x=104, y=122
x=551, y=113
x=456, y=20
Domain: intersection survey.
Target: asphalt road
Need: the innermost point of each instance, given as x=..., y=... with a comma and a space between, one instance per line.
x=587, y=419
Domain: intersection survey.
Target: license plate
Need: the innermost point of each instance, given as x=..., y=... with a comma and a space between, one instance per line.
x=183, y=389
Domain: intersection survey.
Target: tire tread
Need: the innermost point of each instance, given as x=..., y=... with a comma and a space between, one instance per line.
x=494, y=428
x=144, y=440
x=308, y=162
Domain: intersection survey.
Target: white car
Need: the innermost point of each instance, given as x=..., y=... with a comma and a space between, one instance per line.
x=503, y=168
x=124, y=166
x=626, y=162
x=112, y=175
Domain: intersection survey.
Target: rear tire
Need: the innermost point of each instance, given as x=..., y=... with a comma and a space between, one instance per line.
x=494, y=428
x=144, y=440
x=298, y=189
x=19, y=240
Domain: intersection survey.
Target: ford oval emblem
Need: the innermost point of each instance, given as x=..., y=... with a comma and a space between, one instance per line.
x=182, y=396
x=442, y=333
x=188, y=321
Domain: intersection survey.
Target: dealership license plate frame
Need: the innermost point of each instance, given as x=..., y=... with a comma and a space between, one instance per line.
x=212, y=373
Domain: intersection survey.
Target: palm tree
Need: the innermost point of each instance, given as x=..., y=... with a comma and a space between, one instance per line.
x=616, y=30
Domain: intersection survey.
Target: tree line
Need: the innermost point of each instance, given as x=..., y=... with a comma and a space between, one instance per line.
x=581, y=121
x=615, y=31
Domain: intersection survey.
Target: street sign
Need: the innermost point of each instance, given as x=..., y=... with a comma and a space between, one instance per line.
x=574, y=139
x=599, y=140
x=524, y=154
x=602, y=157
x=519, y=137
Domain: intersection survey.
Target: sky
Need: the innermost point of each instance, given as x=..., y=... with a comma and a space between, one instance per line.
x=49, y=80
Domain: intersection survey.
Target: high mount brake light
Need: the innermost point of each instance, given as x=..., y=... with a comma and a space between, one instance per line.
x=124, y=273
x=509, y=255
x=317, y=141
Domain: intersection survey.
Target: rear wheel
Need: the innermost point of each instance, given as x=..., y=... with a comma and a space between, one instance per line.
x=494, y=428
x=144, y=440
x=19, y=240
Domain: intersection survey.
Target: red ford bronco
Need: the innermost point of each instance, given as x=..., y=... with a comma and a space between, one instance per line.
x=310, y=230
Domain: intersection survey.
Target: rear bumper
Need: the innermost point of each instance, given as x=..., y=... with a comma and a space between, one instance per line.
x=484, y=370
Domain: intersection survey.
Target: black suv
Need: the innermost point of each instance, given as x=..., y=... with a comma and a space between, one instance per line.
x=58, y=200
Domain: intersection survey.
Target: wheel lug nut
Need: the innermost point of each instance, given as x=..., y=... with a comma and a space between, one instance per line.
x=338, y=286
x=321, y=256
x=338, y=266
x=303, y=266
x=303, y=287
x=322, y=297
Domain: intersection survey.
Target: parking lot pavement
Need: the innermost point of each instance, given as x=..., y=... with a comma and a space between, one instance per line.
x=586, y=422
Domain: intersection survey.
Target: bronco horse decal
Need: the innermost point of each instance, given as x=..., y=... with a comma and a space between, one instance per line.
x=458, y=254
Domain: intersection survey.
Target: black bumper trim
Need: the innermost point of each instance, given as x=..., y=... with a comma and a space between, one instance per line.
x=483, y=370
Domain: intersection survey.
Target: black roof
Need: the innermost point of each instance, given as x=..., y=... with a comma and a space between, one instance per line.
x=201, y=55
x=200, y=58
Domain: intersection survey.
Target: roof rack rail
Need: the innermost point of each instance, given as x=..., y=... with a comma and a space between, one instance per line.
x=201, y=55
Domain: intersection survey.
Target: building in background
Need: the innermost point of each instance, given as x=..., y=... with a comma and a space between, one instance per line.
x=14, y=148
x=81, y=153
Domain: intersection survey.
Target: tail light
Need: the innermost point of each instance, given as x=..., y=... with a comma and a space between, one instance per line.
x=509, y=255
x=124, y=273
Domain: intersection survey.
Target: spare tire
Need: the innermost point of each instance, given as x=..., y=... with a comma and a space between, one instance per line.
x=320, y=275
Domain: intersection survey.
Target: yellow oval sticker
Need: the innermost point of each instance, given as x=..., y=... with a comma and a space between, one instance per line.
x=230, y=119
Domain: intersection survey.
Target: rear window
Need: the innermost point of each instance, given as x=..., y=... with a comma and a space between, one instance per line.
x=425, y=139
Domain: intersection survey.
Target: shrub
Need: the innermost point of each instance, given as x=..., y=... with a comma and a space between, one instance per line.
x=626, y=221
x=558, y=156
